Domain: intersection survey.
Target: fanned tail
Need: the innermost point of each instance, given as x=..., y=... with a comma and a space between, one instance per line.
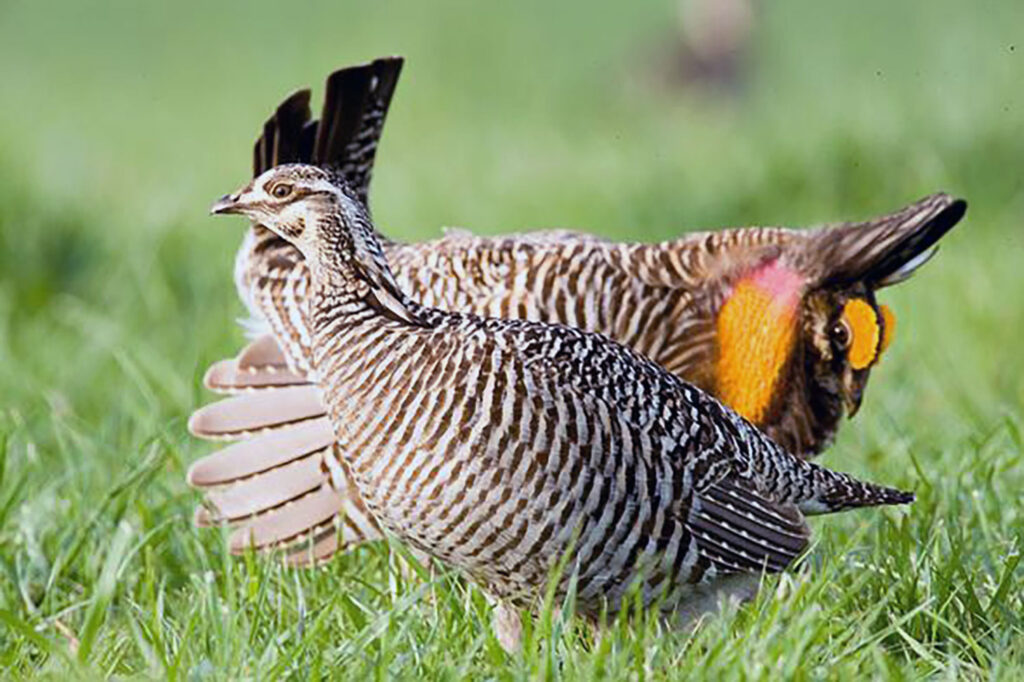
x=281, y=484
x=355, y=106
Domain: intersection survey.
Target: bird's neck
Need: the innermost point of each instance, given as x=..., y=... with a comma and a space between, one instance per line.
x=361, y=323
x=353, y=283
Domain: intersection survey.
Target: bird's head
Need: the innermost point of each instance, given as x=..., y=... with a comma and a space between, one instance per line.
x=799, y=331
x=318, y=213
x=845, y=333
x=304, y=204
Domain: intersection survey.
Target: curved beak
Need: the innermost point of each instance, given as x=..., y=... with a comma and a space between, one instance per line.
x=852, y=398
x=227, y=204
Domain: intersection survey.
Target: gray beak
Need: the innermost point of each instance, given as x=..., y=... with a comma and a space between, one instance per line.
x=227, y=204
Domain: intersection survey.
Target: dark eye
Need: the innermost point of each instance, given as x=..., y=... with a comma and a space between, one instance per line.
x=281, y=190
x=841, y=335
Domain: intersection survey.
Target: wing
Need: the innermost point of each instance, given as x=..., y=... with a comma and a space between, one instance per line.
x=739, y=530
x=280, y=484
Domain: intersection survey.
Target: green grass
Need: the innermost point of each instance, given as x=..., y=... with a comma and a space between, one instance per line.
x=120, y=122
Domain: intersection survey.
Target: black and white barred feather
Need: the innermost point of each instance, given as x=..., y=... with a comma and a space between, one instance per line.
x=502, y=446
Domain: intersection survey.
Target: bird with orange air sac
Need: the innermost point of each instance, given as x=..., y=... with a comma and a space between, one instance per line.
x=503, y=447
x=776, y=322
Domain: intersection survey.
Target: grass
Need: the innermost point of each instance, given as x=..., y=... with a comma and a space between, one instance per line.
x=122, y=121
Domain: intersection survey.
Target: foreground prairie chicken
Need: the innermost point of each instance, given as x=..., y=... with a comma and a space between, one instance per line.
x=502, y=447
x=782, y=325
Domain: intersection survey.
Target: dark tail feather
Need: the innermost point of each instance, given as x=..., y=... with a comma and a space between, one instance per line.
x=348, y=132
x=831, y=491
x=281, y=140
x=355, y=106
x=888, y=249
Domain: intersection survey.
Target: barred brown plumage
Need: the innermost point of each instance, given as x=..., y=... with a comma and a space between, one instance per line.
x=499, y=446
x=684, y=303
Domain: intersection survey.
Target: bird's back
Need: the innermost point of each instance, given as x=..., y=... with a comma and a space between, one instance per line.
x=649, y=297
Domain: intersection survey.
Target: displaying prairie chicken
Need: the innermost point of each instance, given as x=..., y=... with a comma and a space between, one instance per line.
x=502, y=447
x=782, y=325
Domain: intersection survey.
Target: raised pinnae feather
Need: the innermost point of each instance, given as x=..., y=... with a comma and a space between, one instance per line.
x=904, y=272
x=875, y=250
x=282, y=133
x=345, y=139
x=698, y=261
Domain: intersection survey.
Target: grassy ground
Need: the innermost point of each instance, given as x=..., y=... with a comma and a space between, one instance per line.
x=121, y=121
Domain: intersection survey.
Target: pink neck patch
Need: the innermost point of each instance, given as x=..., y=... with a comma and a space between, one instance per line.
x=784, y=285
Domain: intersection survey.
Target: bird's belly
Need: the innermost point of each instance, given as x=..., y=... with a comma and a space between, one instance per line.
x=515, y=528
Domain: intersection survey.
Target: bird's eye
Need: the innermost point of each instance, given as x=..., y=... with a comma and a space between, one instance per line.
x=841, y=335
x=281, y=190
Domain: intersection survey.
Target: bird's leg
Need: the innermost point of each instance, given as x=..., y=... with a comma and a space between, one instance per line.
x=507, y=626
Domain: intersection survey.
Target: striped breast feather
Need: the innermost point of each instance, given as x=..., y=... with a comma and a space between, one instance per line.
x=280, y=291
x=274, y=413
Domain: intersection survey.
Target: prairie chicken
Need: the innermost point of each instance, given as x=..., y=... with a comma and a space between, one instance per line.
x=782, y=325
x=502, y=447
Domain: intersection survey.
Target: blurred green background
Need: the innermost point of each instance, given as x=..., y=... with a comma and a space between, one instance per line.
x=121, y=121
